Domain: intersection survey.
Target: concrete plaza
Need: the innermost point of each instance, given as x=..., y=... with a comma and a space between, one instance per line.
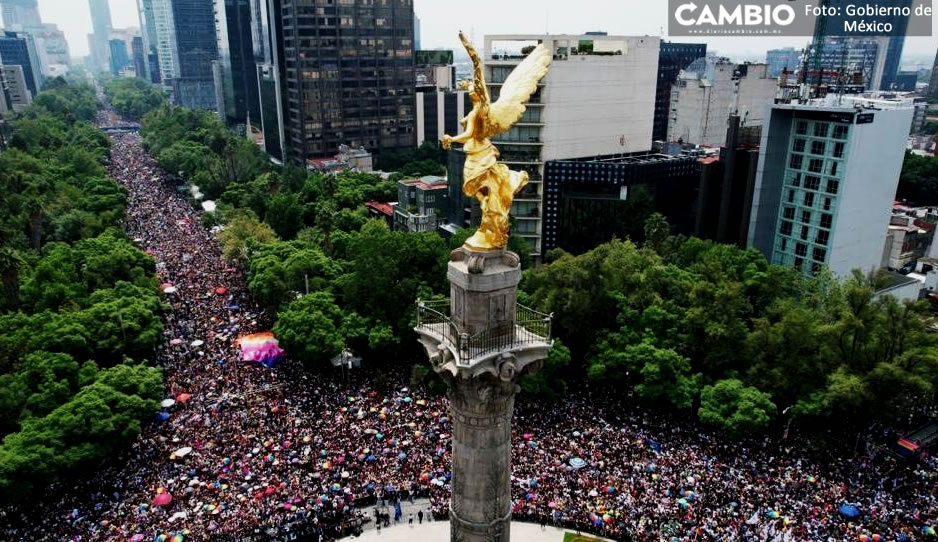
x=438, y=531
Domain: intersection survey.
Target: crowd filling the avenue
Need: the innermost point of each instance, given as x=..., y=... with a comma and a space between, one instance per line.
x=241, y=451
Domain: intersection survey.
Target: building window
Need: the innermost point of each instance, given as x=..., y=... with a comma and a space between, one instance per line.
x=822, y=237
x=815, y=165
x=791, y=196
x=801, y=249
x=806, y=217
x=820, y=129
x=798, y=263
x=784, y=243
x=795, y=179
x=827, y=220
x=818, y=148
x=796, y=161
x=789, y=213
x=827, y=204
x=809, y=199
x=833, y=168
x=832, y=186
x=804, y=233
x=786, y=228
x=801, y=128
x=799, y=145
x=841, y=131
x=820, y=254
x=812, y=182
x=838, y=150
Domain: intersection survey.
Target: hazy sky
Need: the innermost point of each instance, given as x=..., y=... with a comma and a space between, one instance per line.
x=441, y=19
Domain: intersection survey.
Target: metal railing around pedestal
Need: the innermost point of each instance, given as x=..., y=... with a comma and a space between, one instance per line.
x=528, y=327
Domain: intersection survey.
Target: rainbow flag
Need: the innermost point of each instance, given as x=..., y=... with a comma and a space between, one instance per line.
x=907, y=447
x=261, y=348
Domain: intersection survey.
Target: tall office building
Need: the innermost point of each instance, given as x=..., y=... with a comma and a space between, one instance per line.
x=439, y=105
x=349, y=76
x=164, y=30
x=139, y=58
x=416, y=33
x=933, y=83
x=267, y=32
x=672, y=58
x=882, y=75
x=14, y=96
x=20, y=12
x=150, y=41
x=101, y=33
x=597, y=99
x=119, y=59
x=19, y=49
x=780, y=59
x=826, y=181
x=709, y=91
x=195, y=48
x=236, y=86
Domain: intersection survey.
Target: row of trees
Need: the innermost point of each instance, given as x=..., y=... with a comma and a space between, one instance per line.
x=919, y=180
x=80, y=308
x=132, y=97
x=689, y=324
x=698, y=325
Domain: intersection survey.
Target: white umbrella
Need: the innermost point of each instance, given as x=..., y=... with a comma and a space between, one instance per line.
x=167, y=403
x=178, y=515
x=170, y=290
x=183, y=452
x=197, y=342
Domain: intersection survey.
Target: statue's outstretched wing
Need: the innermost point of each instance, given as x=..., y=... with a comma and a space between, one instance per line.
x=516, y=91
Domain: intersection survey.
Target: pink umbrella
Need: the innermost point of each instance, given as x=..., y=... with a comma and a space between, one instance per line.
x=221, y=290
x=162, y=499
x=175, y=342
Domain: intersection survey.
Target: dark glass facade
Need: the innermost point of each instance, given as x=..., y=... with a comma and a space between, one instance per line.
x=672, y=58
x=266, y=32
x=148, y=29
x=236, y=61
x=835, y=27
x=194, y=30
x=349, y=75
x=139, y=57
x=119, y=57
x=14, y=51
x=589, y=201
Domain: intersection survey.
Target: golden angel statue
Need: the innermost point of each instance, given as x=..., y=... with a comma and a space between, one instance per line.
x=492, y=183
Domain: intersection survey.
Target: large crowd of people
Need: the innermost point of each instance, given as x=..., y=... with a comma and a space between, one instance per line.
x=252, y=453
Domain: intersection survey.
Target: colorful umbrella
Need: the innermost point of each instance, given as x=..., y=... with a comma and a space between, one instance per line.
x=221, y=290
x=162, y=499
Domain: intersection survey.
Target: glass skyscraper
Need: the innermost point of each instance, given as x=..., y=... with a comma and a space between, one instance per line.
x=196, y=49
x=237, y=86
x=349, y=75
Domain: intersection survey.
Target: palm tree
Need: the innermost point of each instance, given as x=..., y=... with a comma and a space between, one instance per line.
x=10, y=265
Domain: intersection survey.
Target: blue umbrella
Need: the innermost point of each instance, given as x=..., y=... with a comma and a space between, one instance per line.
x=162, y=416
x=849, y=510
x=402, y=455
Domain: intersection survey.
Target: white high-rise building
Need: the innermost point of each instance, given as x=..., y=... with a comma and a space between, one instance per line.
x=597, y=98
x=826, y=181
x=711, y=89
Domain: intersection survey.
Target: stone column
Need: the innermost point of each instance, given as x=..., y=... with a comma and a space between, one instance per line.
x=481, y=408
x=477, y=354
